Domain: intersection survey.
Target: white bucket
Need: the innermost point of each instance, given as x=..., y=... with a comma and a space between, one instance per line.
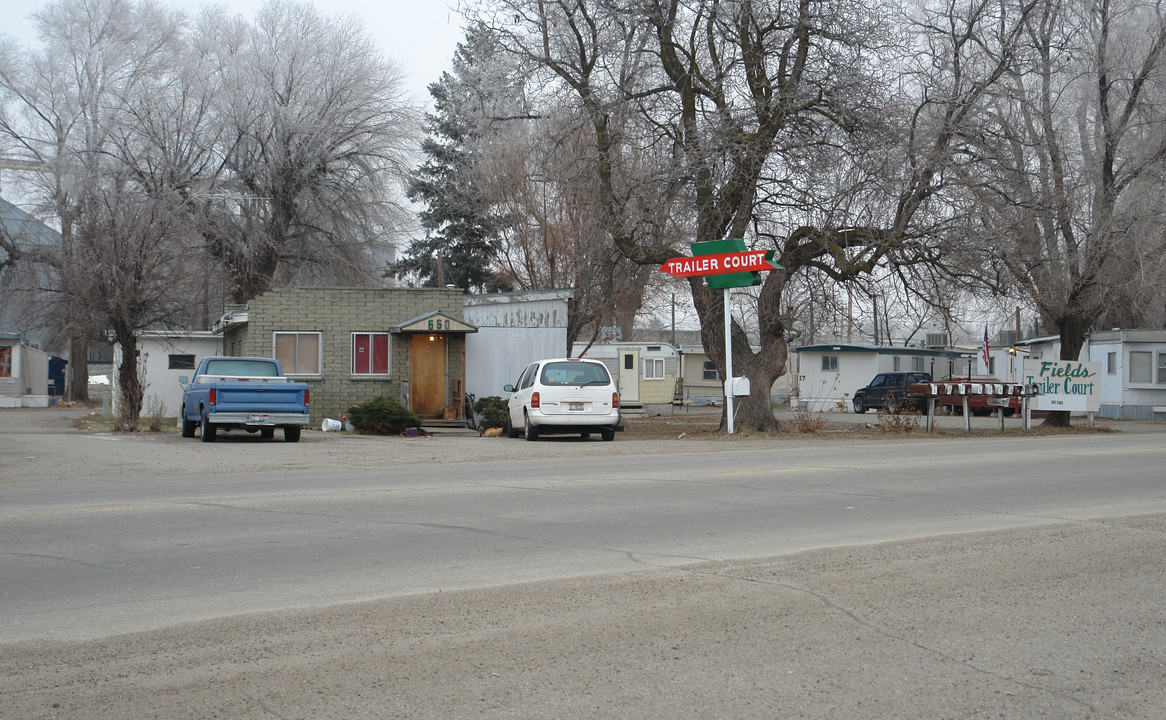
x=330, y=425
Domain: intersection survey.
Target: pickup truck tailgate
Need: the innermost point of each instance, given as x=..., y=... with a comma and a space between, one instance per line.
x=270, y=397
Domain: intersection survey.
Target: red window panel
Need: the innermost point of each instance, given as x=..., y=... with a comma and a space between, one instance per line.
x=380, y=354
x=360, y=354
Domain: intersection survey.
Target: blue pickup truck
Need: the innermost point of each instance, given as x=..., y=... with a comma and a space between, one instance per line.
x=243, y=393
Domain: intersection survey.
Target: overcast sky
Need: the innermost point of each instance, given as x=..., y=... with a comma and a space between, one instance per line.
x=421, y=35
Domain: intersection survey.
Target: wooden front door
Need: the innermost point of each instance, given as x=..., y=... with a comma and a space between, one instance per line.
x=427, y=376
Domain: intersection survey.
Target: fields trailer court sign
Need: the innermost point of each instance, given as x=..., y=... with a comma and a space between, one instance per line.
x=1064, y=385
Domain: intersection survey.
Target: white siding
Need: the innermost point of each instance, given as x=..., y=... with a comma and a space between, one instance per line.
x=496, y=355
x=514, y=330
x=159, y=381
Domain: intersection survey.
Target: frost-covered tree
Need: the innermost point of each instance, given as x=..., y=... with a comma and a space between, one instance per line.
x=785, y=124
x=1070, y=163
x=253, y=154
x=316, y=136
x=62, y=108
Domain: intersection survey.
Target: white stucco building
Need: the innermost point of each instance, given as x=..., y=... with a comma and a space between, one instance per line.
x=163, y=357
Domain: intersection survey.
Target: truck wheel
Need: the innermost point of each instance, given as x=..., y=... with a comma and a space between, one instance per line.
x=188, y=426
x=531, y=432
x=208, y=429
x=291, y=433
x=266, y=432
x=859, y=405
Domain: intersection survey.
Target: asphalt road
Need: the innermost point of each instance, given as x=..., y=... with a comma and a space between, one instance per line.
x=1000, y=577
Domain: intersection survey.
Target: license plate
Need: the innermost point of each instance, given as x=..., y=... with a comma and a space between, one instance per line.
x=575, y=407
x=259, y=419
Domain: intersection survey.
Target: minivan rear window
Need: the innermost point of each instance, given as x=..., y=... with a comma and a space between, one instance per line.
x=574, y=373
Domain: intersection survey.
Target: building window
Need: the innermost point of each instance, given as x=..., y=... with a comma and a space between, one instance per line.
x=181, y=362
x=1141, y=366
x=6, y=361
x=917, y=364
x=709, y=372
x=1111, y=363
x=370, y=353
x=297, y=352
x=895, y=364
x=1162, y=368
x=829, y=363
x=653, y=368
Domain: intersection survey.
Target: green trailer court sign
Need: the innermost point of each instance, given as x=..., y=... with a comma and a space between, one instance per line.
x=725, y=264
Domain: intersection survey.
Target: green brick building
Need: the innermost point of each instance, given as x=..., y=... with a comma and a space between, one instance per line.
x=354, y=344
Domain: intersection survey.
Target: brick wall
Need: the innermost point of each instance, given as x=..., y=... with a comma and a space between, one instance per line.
x=336, y=313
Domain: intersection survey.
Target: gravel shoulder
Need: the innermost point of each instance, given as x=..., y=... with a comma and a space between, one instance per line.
x=1056, y=622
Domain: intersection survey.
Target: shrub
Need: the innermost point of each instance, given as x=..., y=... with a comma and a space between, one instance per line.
x=156, y=412
x=382, y=416
x=903, y=421
x=806, y=422
x=490, y=412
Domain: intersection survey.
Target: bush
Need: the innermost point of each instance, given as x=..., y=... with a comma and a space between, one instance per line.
x=156, y=412
x=490, y=412
x=901, y=421
x=382, y=416
x=806, y=422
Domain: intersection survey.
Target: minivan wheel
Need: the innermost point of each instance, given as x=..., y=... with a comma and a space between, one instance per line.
x=531, y=431
x=608, y=434
x=511, y=431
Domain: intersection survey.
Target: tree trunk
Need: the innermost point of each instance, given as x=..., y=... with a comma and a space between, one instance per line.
x=129, y=384
x=754, y=411
x=77, y=389
x=1072, y=328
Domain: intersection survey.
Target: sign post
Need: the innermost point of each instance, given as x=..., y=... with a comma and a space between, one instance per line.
x=724, y=264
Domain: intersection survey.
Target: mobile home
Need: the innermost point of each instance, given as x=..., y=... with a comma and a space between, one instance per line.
x=828, y=374
x=646, y=373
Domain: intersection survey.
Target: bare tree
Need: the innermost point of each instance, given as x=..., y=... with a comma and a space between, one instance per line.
x=1069, y=165
x=61, y=104
x=127, y=268
x=316, y=131
x=554, y=237
x=270, y=148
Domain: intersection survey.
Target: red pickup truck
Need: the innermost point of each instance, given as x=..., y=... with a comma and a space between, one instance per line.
x=978, y=404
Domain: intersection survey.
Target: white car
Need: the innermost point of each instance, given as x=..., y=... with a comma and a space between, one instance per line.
x=567, y=395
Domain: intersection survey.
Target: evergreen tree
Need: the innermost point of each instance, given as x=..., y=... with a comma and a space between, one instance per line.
x=461, y=239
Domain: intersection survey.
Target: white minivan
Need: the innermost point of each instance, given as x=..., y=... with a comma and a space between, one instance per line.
x=565, y=395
